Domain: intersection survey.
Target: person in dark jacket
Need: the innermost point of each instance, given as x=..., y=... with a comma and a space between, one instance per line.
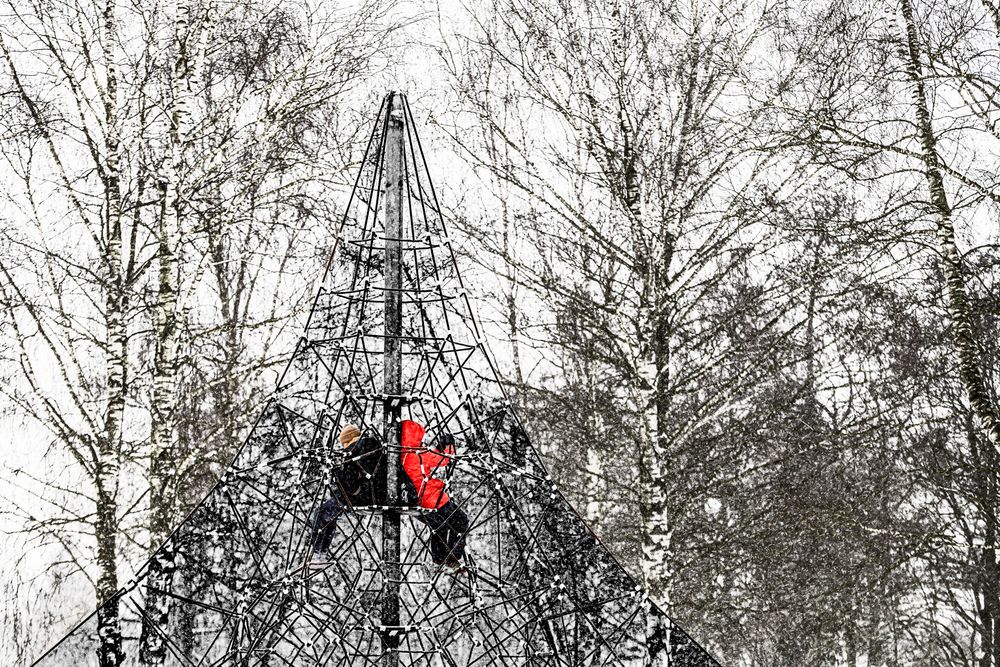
x=424, y=466
x=353, y=485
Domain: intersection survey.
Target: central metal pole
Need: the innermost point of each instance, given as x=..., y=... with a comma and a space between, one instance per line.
x=393, y=187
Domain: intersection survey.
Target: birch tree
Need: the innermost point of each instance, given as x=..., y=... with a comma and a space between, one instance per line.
x=969, y=360
x=640, y=184
x=182, y=80
x=214, y=168
x=78, y=303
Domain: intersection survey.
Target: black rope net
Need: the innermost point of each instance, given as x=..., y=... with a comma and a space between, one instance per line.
x=530, y=584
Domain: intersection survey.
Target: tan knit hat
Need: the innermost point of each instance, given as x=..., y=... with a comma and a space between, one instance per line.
x=349, y=435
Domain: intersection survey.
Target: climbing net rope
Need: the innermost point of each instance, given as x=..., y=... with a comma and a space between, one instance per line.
x=233, y=585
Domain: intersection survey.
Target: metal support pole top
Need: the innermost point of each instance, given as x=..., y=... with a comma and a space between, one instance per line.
x=396, y=110
x=394, y=186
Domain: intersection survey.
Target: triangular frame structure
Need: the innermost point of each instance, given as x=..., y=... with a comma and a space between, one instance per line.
x=539, y=588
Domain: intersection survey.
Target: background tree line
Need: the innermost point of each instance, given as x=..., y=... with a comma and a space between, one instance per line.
x=746, y=257
x=749, y=255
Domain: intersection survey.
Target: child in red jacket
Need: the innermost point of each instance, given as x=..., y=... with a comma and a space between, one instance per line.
x=448, y=523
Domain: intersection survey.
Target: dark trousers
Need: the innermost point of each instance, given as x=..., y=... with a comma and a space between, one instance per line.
x=324, y=523
x=449, y=525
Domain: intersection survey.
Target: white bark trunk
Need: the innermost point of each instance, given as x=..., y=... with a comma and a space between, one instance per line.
x=963, y=336
x=657, y=529
x=594, y=511
x=163, y=455
x=109, y=444
x=970, y=369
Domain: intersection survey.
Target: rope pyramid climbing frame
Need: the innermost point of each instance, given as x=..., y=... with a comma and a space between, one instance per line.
x=391, y=335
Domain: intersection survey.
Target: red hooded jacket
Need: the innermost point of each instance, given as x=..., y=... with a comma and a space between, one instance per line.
x=421, y=463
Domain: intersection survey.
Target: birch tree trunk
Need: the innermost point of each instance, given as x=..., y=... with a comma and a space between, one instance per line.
x=654, y=372
x=963, y=338
x=656, y=514
x=109, y=445
x=95, y=444
x=632, y=231
x=654, y=461
x=510, y=297
x=965, y=344
x=163, y=455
